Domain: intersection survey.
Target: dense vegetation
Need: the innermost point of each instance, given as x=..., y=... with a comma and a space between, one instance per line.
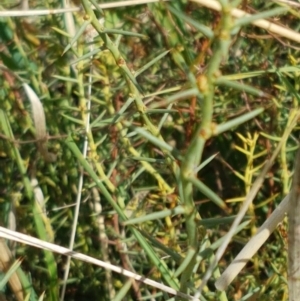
x=182, y=106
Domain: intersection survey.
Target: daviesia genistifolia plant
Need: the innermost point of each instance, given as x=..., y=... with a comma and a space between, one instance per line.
x=134, y=135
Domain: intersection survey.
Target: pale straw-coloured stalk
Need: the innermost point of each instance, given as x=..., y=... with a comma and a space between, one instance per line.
x=38, y=243
x=267, y=25
x=6, y=260
x=253, y=245
x=42, y=12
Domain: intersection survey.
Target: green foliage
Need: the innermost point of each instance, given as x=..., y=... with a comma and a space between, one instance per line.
x=180, y=106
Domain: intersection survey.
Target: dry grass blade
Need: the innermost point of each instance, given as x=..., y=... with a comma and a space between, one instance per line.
x=271, y=27
x=26, y=239
x=253, y=245
x=42, y=12
x=292, y=3
x=5, y=262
